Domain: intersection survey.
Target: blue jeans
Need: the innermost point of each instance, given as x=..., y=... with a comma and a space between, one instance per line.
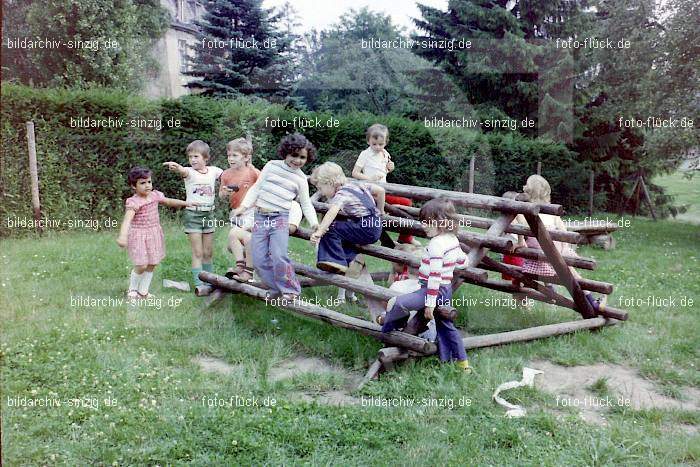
x=337, y=245
x=450, y=345
x=269, y=244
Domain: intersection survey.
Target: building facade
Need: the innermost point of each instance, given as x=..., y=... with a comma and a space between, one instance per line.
x=171, y=50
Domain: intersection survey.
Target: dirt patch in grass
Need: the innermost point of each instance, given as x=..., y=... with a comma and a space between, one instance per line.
x=302, y=365
x=575, y=387
x=215, y=365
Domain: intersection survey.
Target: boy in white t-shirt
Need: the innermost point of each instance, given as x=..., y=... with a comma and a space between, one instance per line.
x=200, y=185
x=373, y=165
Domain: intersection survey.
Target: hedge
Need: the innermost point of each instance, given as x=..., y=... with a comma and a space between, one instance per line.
x=82, y=171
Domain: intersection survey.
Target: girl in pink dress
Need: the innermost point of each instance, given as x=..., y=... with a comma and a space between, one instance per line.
x=141, y=232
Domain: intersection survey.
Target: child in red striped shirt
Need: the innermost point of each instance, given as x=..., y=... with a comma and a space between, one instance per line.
x=440, y=258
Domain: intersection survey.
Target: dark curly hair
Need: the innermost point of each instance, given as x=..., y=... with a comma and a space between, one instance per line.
x=137, y=173
x=292, y=144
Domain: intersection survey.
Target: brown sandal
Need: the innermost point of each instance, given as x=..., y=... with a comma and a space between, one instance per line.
x=232, y=272
x=246, y=275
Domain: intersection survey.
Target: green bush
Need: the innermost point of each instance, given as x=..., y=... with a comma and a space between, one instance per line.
x=82, y=171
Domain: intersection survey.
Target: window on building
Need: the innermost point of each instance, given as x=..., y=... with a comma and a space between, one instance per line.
x=184, y=55
x=180, y=10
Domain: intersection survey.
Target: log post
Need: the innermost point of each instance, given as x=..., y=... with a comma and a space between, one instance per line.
x=647, y=198
x=590, y=193
x=561, y=268
x=34, y=175
x=471, y=174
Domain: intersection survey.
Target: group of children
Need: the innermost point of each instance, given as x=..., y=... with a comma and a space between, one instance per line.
x=266, y=206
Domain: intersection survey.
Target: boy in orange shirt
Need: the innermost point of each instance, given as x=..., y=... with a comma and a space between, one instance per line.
x=235, y=182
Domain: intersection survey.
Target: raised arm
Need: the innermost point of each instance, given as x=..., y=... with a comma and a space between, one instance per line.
x=177, y=203
x=175, y=167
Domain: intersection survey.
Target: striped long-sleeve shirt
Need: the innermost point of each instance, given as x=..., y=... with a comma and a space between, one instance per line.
x=277, y=186
x=440, y=258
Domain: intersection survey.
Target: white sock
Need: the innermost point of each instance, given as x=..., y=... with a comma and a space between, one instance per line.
x=134, y=280
x=145, y=282
x=341, y=294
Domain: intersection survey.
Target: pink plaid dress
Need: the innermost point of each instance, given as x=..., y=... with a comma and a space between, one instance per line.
x=532, y=266
x=145, y=243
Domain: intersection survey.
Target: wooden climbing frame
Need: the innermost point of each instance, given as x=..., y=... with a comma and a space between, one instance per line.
x=402, y=345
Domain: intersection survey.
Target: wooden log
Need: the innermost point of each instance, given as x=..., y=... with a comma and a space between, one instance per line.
x=485, y=223
x=475, y=256
x=212, y=299
x=561, y=268
x=471, y=200
x=606, y=242
x=402, y=224
x=34, y=175
x=530, y=253
x=510, y=337
x=334, y=318
x=586, y=284
x=372, y=373
x=508, y=287
x=397, y=256
x=537, y=332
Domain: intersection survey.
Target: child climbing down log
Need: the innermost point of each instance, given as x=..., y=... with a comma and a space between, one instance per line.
x=353, y=218
x=440, y=258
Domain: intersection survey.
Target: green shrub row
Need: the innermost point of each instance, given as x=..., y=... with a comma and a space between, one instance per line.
x=83, y=170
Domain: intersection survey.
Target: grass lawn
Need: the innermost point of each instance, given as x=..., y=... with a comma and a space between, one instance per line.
x=686, y=192
x=130, y=391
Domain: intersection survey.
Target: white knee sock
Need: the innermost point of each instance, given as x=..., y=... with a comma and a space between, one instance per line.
x=134, y=280
x=341, y=294
x=145, y=282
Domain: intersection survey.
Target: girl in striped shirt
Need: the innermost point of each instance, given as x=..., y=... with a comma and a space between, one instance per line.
x=280, y=183
x=440, y=258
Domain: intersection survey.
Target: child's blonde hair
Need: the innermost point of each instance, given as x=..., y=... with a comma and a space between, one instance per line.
x=378, y=130
x=200, y=147
x=242, y=145
x=538, y=189
x=328, y=173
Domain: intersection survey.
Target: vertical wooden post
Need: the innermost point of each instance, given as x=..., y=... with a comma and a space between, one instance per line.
x=539, y=167
x=647, y=197
x=471, y=174
x=567, y=279
x=34, y=174
x=590, y=194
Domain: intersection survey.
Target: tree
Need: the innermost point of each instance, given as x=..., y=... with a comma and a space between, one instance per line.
x=105, y=43
x=342, y=73
x=239, y=51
